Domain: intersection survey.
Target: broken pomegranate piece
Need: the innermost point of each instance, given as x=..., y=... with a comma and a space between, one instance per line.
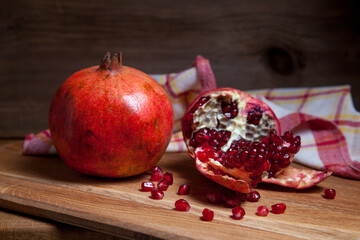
x=235, y=141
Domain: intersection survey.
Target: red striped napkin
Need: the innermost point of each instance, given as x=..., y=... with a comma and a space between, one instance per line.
x=324, y=117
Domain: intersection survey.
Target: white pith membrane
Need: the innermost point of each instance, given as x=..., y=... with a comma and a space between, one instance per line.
x=210, y=115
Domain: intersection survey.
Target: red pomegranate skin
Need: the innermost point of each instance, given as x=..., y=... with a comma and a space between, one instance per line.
x=111, y=122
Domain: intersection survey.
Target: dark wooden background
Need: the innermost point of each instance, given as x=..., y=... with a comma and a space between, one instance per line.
x=251, y=44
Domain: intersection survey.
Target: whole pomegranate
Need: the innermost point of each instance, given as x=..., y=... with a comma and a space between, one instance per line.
x=111, y=120
x=235, y=141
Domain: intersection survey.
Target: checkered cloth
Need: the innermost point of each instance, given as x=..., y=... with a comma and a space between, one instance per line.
x=324, y=117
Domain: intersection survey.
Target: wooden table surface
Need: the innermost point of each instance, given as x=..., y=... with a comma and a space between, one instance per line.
x=47, y=188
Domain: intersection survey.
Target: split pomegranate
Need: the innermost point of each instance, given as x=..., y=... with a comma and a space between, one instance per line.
x=207, y=214
x=278, y=208
x=238, y=213
x=182, y=205
x=111, y=120
x=235, y=141
x=262, y=211
x=329, y=193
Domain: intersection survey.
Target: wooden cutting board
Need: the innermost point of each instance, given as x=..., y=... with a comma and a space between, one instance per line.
x=46, y=187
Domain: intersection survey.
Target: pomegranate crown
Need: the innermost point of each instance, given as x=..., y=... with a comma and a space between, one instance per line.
x=114, y=63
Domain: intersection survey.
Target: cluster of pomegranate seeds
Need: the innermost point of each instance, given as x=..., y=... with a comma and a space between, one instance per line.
x=182, y=205
x=254, y=116
x=238, y=213
x=207, y=214
x=278, y=208
x=147, y=186
x=189, y=117
x=230, y=110
x=254, y=196
x=184, y=189
x=329, y=193
x=271, y=154
x=262, y=211
x=164, y=181
x=157, y=194
x=212, y=137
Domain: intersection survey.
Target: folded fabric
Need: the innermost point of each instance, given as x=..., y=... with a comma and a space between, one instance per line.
x=324, y=117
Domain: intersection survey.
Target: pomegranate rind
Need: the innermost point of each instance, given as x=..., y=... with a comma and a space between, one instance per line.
x=227, y=181
x=298, y=178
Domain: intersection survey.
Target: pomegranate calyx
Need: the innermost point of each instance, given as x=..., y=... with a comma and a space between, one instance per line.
x=114, y=64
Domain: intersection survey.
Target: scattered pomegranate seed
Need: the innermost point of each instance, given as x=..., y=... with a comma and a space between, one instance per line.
x=184, y=189
x=278, y=208
x=207, y=215
x=156, y=177
x=156, y=173
x=155, y=169
x=147, y=186
x=329, y=193
x=168, y=177
x=262, y=211
x=163, y=185
x=157, y=194
x=182, y=205
x=214, y=197
x=232, y=202
x=238, y=213
x=241, y=196
x=254, y=196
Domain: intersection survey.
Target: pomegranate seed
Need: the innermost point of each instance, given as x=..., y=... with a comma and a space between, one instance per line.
x=238, y=213
x=262, y=211
x=163, y=185
x=241, y=196
x=232, y=201
x=278, y=208
x=207, y=214
x=182, y=205
x=168, y=177
x=157, y=194
x=254, y=196
x=214, y=197
x=157, y=176
x=329, y=193
x=156, y=169
x=147, y=186
x=184, y=189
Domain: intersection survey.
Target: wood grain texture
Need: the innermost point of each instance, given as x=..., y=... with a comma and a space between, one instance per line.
x=47, y=188
x=251, y=45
